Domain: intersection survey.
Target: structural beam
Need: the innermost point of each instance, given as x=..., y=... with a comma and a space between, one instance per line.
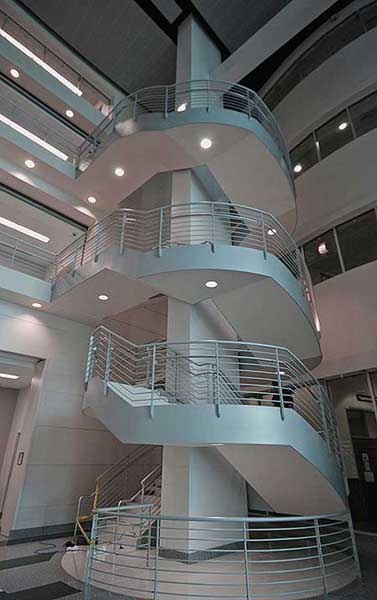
x=279, y=30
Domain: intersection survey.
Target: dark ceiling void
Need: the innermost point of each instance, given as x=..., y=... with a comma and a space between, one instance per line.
x=259, y=76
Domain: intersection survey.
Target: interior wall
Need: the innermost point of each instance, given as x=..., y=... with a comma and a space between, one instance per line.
x=346, y=307
x=8, y=400
x=64, y=450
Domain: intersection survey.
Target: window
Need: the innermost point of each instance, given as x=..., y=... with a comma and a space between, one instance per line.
x=304, y=156
x=334, y=134
x=358, y=240
x=322, y=258
x=364, y=114
x=368, y=16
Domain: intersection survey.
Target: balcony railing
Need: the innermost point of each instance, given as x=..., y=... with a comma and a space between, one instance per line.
x=26, y=257
x=166, y=100
x=219, y=557
x=212, y=223
x=218, y=373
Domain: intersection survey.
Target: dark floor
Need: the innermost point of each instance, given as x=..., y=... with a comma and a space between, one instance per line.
x=32, y=571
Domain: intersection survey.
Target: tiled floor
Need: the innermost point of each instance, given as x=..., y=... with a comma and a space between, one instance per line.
x=33, y=571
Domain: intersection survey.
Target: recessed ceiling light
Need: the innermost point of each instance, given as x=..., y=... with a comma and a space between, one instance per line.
x=297, y=168
x=205, y=143
x=103, y=297
x=14, y=73
x=69, y=113
x=271, y=231
x=40, y=62
x=343, y=125
x=37, y=305
x=182, y=107
x=92, y=199
x=322, y=248
x=29, y=163
x=31, y=136
x=211, y=284
x=24, y=230
x=9, y=376
x=119, y=172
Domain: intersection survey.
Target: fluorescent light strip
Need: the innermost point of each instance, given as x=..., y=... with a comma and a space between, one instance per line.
x=24, y=230
x=9, y=376
x=41, y=62
x=34, y=138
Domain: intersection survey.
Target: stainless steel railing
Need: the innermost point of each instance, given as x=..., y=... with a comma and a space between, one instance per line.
x=219, y=557
x=179, y=97
x=212, y=223
x=211, y=372
x=25, y=257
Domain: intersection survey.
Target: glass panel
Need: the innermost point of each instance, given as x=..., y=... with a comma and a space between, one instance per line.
x=304, y=156
x=368, y=16
x=357, y=423
x=322, y=258
x=334, y=134
x=358, y=240
x=364, y=114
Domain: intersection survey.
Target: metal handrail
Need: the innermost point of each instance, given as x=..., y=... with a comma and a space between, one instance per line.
x=212, y=223
x=263, y=374
x=241, y=557
x=179, y=97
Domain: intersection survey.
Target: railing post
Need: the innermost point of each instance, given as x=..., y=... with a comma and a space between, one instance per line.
x=248, y=596
x=92, y=546
x=14, y=253
x=149, y=537
x=135, y=107
x=161, y=224
x=166, y=101
x=354, y=545
x=213, y=227
x=107, y=366
x=323, y=417
x=98, y=241
x=281, y=396
x=217, y=391
x=248, y=106
x=158, y=526
x=88, y=371
x=151, y=410
x=208, y=96
x=264, y=239
x=320, y=558
x=121, y=241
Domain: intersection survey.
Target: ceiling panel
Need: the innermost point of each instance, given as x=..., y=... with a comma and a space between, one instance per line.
x=119, y=38
x=234, y=21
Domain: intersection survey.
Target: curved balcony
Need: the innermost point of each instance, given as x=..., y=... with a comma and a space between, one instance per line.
x=160, y=128
x=175, y=249
x=143, y=555
x=210, y=373
x=257, y=403
x=181, y=97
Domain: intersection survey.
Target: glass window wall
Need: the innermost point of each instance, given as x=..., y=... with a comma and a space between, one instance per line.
x=322, y=258
x=358, y=240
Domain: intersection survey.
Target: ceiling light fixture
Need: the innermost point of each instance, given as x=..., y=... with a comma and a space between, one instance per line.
x=29, y=163
x=37, y=305
x=24, y=230
x=271, y=231
x=9, y=376
x=92, y=199
x=211, y=284
x=343, y=126
x=182, y=107
x=34, y=138
x=119, y=172
x=322, y=248
x=40, y=62
x=297, y=168
x=69, y=113
x=14, y=73
x=103, y=297
x=205, y=143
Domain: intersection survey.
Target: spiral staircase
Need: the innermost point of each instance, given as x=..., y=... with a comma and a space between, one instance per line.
x=229, y=394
